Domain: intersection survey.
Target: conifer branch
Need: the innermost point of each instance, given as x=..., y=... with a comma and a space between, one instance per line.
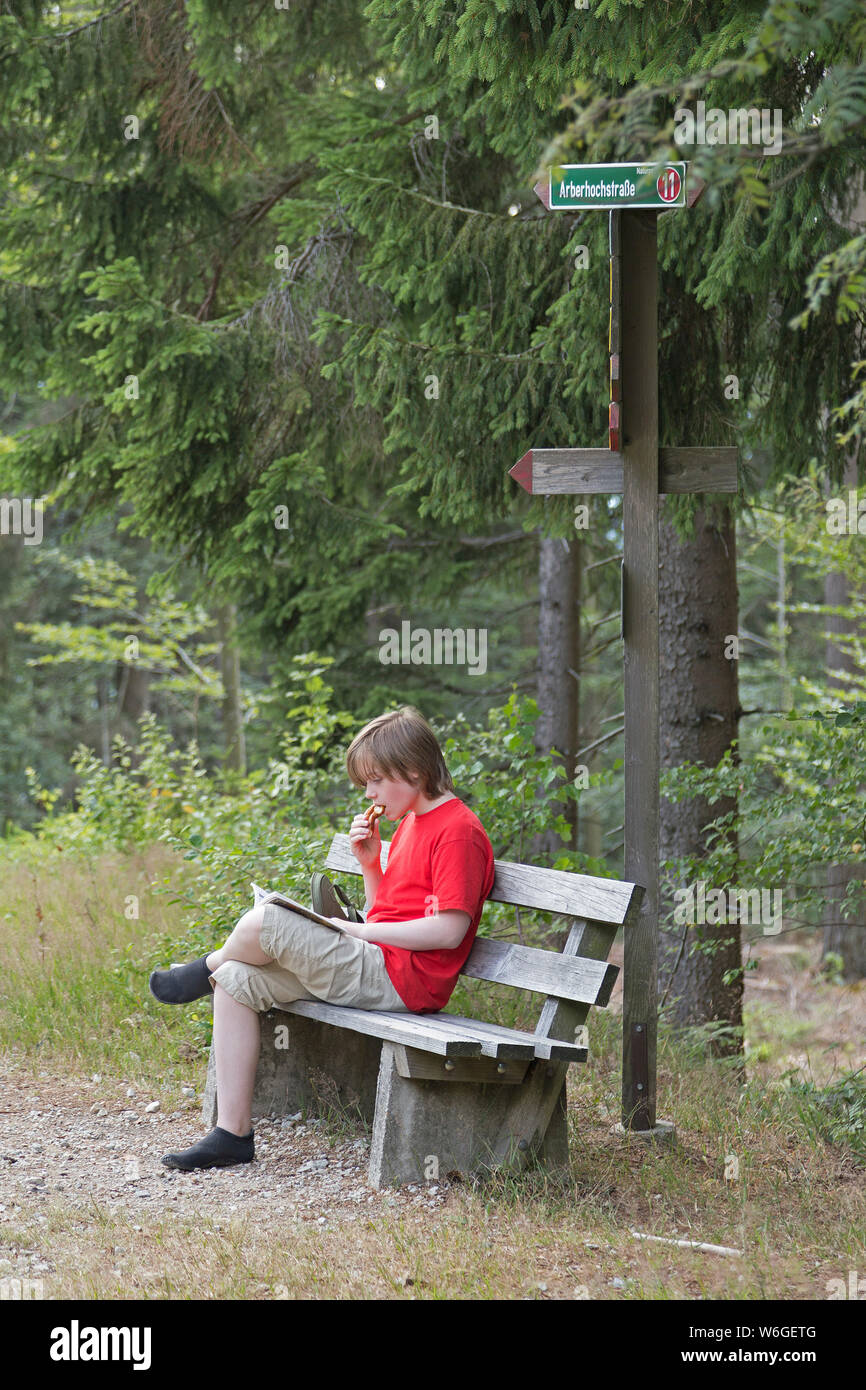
x=479, y=542
x=252, y=216
x=450, y=349
x=256, y=211
x=385, y=129
x=91, y=23
x=605, y=110
x=207, y=303
x=275, y=300
x=226, y=117
x=425, y=198
x=71, y=33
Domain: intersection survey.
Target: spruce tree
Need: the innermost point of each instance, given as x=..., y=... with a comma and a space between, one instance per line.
x=314, y=277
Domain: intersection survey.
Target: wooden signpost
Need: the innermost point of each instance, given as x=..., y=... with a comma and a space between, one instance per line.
x=635, y=467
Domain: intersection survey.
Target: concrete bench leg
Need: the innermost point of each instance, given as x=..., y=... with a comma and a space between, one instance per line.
x=552, y=1149
x=307, y=1065
x=424, y=1130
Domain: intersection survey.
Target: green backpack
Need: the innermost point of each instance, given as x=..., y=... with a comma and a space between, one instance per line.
x=327, y=898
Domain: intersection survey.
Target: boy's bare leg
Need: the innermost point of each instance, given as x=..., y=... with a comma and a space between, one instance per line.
x=242, y=943
x=236, y=1041
x=236, y=1029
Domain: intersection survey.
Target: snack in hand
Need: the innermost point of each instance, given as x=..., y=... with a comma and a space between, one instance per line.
x=372, y=814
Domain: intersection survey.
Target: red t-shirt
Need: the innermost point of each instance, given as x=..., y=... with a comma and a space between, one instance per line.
x=440, y=861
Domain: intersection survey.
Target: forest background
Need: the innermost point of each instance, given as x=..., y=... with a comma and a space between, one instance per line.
x=279, y=311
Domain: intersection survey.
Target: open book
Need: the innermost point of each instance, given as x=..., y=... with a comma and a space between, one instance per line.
x=261, y=895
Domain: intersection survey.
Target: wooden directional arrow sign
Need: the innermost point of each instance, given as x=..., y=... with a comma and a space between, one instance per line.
x=545, y=472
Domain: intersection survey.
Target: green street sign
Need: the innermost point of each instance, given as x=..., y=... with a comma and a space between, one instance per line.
x=617, y=186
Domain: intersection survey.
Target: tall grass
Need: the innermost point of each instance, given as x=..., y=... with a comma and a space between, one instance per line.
x=80, y=937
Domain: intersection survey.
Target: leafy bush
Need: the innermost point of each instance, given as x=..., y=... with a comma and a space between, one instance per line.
x=837, y=1113
x=275, y=824
x=516, y=791
x=799, y=810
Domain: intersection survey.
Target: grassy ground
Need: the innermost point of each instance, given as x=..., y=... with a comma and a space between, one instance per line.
x=752, y=1168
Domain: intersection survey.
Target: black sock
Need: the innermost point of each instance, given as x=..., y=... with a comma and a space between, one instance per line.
x=182, y=983
x=218, y=1149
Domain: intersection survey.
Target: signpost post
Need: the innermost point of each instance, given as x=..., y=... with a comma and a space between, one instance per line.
x=635, y=467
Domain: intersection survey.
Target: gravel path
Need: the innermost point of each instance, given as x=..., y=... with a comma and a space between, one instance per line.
x=96, y=1139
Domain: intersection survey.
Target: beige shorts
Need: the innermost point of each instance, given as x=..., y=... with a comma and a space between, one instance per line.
x=309, y=962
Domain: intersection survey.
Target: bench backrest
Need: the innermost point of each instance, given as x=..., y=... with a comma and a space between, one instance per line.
x=579, y=973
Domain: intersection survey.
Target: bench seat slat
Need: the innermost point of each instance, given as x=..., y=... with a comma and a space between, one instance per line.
x=448, y=1035
x=394, y=1027
x=544, y=1049
x=555, y=1050
x=550, y=890
x=500, y=1040
x=496, y=1041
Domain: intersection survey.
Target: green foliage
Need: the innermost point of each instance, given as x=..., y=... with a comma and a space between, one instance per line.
x=315, y=735
x=835, y=1113
x=274, y=825
x=304, y=381
x=800, y=789
x=840, y=275
x=800, y=812
x=157, y=640
x=512, y=787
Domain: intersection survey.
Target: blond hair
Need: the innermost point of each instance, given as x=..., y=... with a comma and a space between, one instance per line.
x=400, y=744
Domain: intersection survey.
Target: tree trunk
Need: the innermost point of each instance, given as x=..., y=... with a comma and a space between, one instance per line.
x=698, y=721
x=558, y=665
x=845, y=937
x=133, y=692
x=103, y=704
x=230, y=670
x=590, y=820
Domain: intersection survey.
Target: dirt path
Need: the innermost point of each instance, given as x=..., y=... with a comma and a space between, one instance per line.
x=90, y=1141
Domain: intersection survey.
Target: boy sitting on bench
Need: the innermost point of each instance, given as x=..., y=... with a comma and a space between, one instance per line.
x=422, y=917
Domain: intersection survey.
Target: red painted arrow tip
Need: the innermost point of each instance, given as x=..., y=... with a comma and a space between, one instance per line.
x=522, y=471
x=542, y=190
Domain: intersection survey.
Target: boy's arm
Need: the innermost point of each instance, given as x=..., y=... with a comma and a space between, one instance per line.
x=366, y=845
x=460, y=877
x=372, y=879
x=442, y=932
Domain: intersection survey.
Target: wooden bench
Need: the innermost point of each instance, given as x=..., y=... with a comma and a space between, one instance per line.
x=445, y=1093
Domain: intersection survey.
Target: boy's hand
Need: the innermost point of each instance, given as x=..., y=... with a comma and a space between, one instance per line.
x=358, y=929
x=365, y=844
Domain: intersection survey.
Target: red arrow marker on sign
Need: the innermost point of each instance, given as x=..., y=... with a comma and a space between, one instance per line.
x=522, y=471
x=543, y=191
